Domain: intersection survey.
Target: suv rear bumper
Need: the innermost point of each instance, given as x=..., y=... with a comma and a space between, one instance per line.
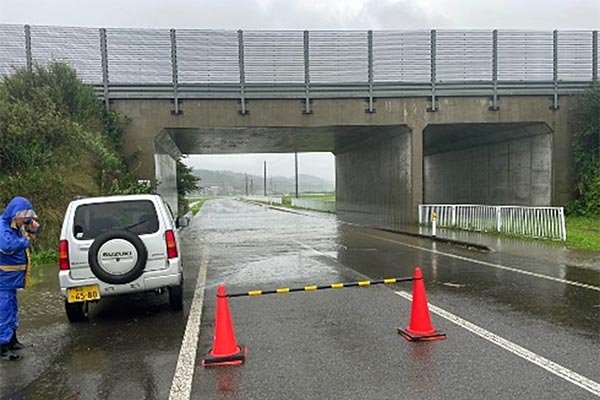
x=148, y=281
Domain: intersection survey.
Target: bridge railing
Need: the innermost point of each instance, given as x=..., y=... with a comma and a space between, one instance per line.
x=188, y=63
x=536, y=222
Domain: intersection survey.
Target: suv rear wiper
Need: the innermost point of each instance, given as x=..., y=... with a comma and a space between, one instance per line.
x=134, y=225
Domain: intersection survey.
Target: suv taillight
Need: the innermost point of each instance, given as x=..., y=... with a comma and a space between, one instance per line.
x=171, y=244
x=63, y=255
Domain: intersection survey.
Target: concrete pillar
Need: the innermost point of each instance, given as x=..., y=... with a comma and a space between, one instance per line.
x=165, y=167
x=166, y=176
x=416, y=169
x=563, y=168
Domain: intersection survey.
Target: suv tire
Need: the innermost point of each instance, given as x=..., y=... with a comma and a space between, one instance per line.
x=77, y=312
x=176, y=297
x=103, y=274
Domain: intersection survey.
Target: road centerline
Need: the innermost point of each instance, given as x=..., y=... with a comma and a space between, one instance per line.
x=487, y=264
x=556, y=369
x=181, y=387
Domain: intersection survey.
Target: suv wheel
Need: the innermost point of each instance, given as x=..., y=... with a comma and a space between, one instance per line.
x=117, y=257
x=176, y=297
x=77, y=312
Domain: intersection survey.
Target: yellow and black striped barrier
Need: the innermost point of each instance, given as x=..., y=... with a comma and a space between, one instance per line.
x=312, y=288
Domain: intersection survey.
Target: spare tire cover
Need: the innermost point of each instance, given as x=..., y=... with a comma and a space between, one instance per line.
x=117, y=257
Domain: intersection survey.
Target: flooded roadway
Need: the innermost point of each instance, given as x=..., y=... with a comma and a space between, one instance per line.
x=334, y=344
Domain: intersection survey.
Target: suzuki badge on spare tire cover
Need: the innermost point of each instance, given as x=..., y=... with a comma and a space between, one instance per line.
x=117, y=257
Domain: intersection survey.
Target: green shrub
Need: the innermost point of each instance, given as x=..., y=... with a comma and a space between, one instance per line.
x=587, y=154
x=57, y=141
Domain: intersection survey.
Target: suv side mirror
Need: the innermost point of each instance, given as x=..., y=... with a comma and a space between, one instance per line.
x=182, y=222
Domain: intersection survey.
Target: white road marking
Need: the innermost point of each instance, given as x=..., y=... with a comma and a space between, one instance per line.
x=454, y=285
x=556, y=369
x=307, y=247
x=488, y=264
x=181, y=388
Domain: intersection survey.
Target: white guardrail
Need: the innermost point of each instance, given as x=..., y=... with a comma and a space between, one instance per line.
x=318, y=205
x=536, y=222
x=265, y=199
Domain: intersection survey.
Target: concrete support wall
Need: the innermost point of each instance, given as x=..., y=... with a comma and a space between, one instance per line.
x=517, y=172
x=373, y=183
x=166, y=176
x=165, y=168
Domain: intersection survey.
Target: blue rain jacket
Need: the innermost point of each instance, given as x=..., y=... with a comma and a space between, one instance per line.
x=12, y=246
x=9, y=315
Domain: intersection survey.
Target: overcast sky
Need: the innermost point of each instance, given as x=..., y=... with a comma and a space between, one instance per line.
x=317, y=164
x=307, y=14
x=302, y=14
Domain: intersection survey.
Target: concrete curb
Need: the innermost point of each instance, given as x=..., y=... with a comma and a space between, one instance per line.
x=282, y=209
x=437, y=239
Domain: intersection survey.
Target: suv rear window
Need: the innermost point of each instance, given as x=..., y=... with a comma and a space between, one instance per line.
x=136, y=216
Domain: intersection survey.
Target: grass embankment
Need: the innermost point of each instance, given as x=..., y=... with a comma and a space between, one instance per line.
x=196, y=204
x=583, y=233
x=325, y=198
x=57, y=141
x=44, y=257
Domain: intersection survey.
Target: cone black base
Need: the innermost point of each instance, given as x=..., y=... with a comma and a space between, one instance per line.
x=421, y=338
x=219, y=361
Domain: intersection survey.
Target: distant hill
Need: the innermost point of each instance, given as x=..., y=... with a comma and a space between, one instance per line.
x=228, y=182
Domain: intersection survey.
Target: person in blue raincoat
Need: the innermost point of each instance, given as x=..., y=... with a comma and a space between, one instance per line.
x=18, y=223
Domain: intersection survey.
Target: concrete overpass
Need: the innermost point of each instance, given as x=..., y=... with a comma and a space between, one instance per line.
x=412, y=117
x=388, y=162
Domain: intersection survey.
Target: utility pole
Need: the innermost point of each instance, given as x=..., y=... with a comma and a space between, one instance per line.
x=246, y=179
x=252, y=186
x=265, y=179
x=296, y=168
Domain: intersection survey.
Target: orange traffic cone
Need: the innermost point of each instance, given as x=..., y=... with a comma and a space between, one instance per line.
x=225, y=350
x=420, y=327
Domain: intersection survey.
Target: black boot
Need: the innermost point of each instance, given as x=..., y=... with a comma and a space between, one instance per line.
x=14, y=343
x=7, y=355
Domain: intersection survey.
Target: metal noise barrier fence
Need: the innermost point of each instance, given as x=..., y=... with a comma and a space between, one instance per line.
x=192, y=63
x=318, y=205
x=536, y=222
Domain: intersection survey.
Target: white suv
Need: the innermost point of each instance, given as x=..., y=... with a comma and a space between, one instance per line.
x=117, y=245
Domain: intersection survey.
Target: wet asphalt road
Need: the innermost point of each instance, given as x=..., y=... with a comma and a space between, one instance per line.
x=333, y=344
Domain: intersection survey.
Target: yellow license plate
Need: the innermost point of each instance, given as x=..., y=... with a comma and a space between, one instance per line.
x=83, y=293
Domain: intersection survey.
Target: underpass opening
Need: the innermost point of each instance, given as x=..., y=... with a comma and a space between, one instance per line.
x=373, y=162
x=496, y=164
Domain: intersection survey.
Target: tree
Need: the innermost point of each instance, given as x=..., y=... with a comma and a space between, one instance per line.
x=186, y=184
x=56, y=141
x=587, y=154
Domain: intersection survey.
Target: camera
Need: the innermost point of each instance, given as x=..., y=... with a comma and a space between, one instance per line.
x=30, y=227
